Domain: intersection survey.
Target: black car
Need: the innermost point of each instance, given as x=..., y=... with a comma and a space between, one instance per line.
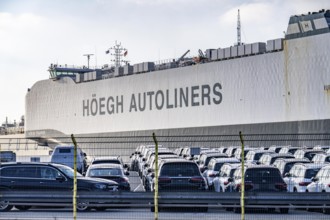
x=180, y=175
x=114, y=172
x=47, y=177
x=258, y=178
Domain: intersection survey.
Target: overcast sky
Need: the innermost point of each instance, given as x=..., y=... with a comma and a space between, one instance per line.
x=36, y=33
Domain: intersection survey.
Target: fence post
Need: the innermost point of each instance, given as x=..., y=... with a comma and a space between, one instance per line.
x=156, y=176
x=74, y=199
x=243, y=178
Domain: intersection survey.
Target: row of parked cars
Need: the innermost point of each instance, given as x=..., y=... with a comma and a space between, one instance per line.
x=105, y=174
x=276, y=168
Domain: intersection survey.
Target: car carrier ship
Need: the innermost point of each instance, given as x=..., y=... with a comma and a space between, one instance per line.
x=281, y=86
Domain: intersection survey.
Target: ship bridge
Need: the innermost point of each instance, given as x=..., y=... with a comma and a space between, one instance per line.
x=57, y=71
x=305, y=25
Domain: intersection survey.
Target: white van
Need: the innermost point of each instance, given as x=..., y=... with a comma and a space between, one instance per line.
x=63, y=154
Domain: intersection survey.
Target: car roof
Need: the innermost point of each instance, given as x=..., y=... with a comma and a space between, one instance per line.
x=176, y=160
x=105, y=165
x=106, y=158
x=279, y=154
x=228, y=159
x=288, y=160
x=310, y=165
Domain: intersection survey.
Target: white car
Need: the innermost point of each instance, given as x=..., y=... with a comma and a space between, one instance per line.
x=213, y=168
x=220, y=182
x=321, y=182
x=300, y=176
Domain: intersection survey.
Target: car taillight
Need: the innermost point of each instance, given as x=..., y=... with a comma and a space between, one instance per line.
x=304, y=183
x=280, y=186
x=164, y=180
x=212, y=175
x=196, y=180
x=226, y=182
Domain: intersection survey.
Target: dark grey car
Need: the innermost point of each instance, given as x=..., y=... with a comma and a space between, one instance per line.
x=47, y=177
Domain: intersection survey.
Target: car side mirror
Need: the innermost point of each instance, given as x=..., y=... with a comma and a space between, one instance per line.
x=197, y=162
x=258, y=163
x=126, y=173
x=287, y=175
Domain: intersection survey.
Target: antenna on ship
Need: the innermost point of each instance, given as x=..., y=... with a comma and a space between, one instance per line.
x=88, y=57
x=238, y=29
x=119, y=52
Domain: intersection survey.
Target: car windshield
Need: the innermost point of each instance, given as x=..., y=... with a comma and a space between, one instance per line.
x=311, y=173
x=218, y=166
x=68, y=171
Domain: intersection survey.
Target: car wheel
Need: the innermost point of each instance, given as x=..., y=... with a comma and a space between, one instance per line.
x=82, y=206
x=4, y=206
x=284, y=210
x=23, y=207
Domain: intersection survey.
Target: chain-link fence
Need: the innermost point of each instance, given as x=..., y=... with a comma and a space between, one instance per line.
x=274, y=176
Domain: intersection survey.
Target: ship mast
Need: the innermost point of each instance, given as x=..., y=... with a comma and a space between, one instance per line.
x=238, y=29
x=118, y=53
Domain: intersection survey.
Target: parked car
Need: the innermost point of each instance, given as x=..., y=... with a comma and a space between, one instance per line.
x=259, y=178
x=269, y=158
x=285, y=164
x=276, y=148
x=214, y=167
x=300, y=175
x=220, y=182
x=179, y=175
x=64, y=154
x=321, y=181
x=253, y=156
x=47, y=177
x=321, y=158
x=148, y=178
x=230, y=151
x=307, y=153
x=110, y=171
x=290, y=149
x=205, y=158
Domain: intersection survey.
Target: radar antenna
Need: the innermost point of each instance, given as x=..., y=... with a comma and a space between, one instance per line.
x=119, y=52
x=238, y=29
x=88, y=57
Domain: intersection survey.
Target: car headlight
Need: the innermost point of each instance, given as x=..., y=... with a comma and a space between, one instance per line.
x=100, y=186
